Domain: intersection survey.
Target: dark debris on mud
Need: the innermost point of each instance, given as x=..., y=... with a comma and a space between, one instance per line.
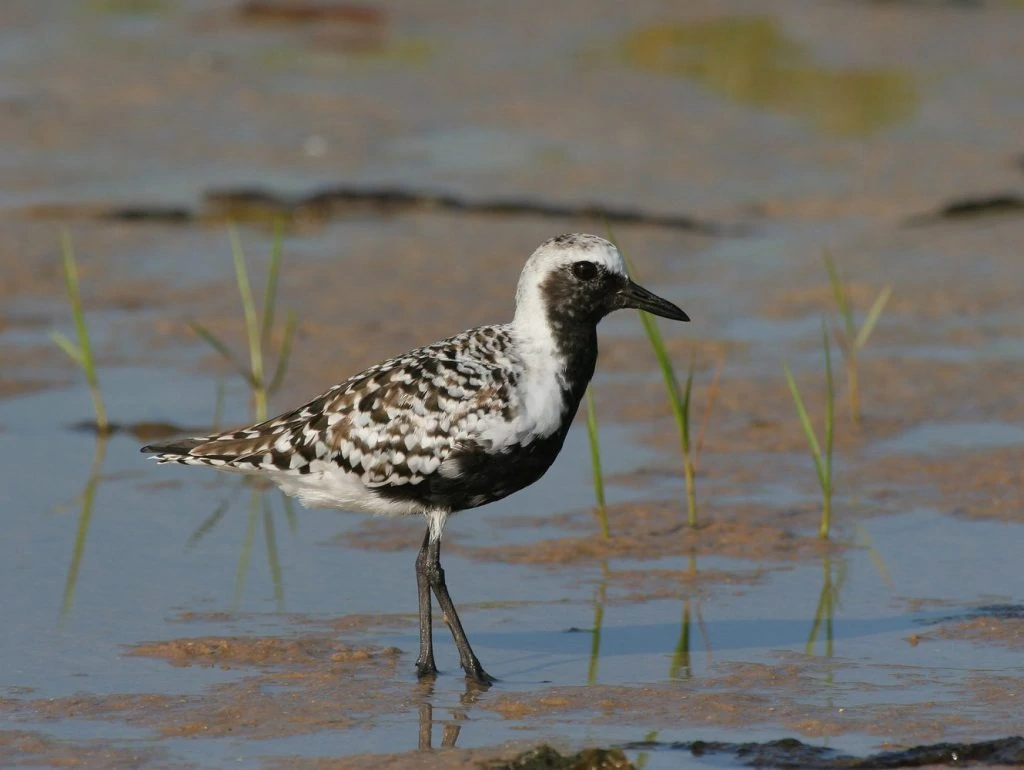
x=331, y=202
x=997, y=611
x=791, y=753
x=971, y=207
x=546, y=758
x=307, y=13
x=146, y=430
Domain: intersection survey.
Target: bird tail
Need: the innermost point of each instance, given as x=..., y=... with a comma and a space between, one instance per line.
x=244, y=451
x=180, y=451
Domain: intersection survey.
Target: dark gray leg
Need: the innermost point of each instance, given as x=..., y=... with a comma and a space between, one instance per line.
x=425, y=662
x=470, y=663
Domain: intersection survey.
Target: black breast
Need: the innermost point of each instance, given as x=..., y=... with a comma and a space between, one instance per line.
x=487, y=475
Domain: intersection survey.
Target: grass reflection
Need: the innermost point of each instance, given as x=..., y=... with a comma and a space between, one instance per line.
x=595, y=642
x=87, y=498
x=681, y=657
x=750, y=60
x=260, y=516
x=681, y=665
x=828, y=601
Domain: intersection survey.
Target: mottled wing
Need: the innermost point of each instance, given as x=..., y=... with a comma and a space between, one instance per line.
x=393, y=424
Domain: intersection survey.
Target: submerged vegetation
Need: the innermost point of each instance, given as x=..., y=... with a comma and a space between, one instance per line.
x=822, y=459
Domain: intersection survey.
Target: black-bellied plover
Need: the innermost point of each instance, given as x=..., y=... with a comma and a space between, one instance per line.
x=449, y=426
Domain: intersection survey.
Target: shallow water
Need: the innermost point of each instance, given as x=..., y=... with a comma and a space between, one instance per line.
x=905, y=630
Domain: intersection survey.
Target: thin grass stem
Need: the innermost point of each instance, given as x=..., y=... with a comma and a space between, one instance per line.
x=822, y=460
x=679, y=403
x=218, y=344
x=290, y=324
x=852, y=340
x=259, y=327
x=595, y=462
x=82, y=353
x=688, y=464
x=826, y=512
x=805, y=422
x=872, y=317
x=252, y=327
x=709, y=407
x=270, y=290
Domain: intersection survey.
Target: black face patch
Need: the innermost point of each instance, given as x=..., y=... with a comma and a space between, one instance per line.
x=570, y=300
x=573, y=308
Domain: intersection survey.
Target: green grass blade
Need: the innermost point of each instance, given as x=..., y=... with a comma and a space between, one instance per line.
x=252, y=324
x=270, y=290
x=872, y=317
x=87, y=360
x=687, y=392
x=840, y=296
x=688, y=456
x=668, y=372
x=68, y=347
x=826, y=489
x=678, y=402
x=217, y=344
x=829, y=405
x=285, y=353
x=595, y=462
x=805, y=421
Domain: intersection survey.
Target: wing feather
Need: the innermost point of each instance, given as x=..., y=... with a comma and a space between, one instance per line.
x=393, y=424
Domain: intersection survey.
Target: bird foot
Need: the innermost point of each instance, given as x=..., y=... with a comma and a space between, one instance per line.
x=476, y=674
x=426, y=669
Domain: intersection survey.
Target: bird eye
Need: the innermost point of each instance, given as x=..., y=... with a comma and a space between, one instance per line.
x=585, y=271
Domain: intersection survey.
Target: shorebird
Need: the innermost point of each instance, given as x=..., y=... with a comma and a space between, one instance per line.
x=449, y=426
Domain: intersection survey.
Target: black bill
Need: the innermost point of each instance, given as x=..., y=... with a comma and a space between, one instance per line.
x=634, y=295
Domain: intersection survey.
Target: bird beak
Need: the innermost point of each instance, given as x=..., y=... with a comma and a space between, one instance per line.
x=634, y=295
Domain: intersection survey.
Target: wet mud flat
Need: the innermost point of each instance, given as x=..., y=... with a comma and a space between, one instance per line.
x=162, y=618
